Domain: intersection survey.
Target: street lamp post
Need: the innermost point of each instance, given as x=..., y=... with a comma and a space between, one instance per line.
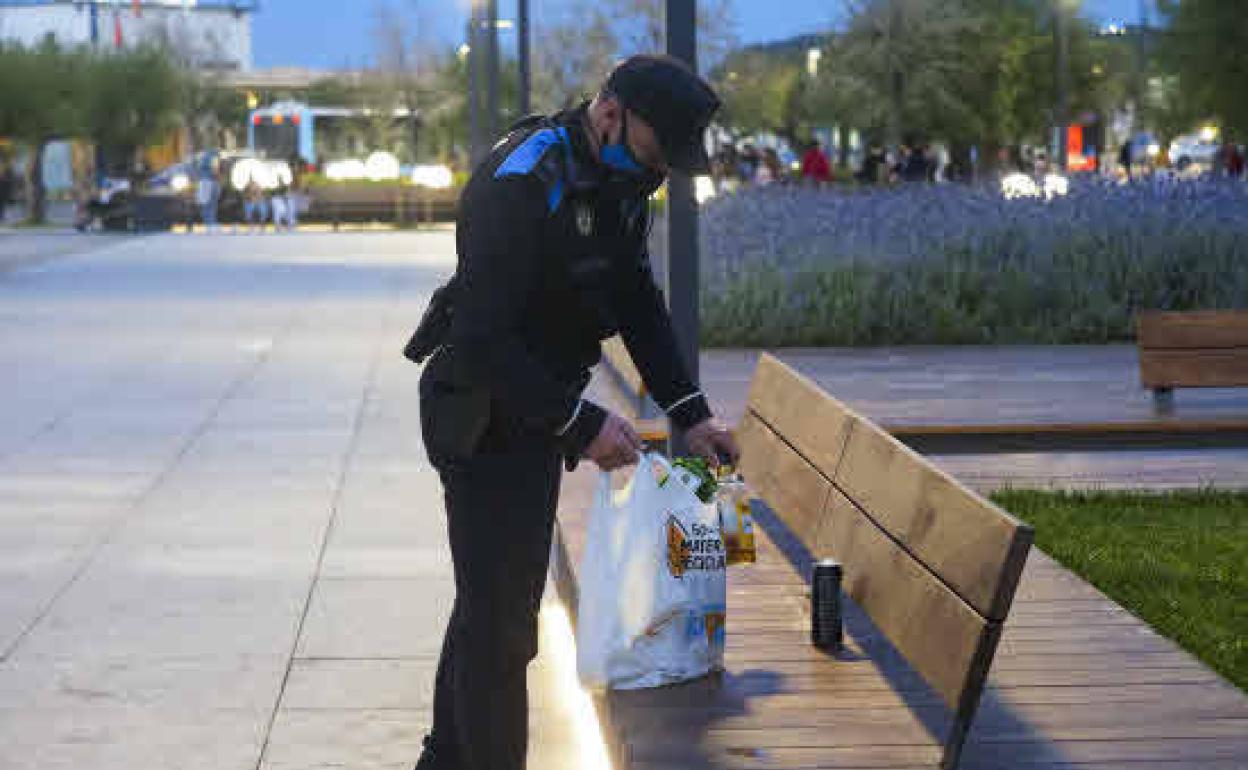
x=1062, y=77
x=682, y=231
x=474, y=141
x=522, y=53
x=491, y=71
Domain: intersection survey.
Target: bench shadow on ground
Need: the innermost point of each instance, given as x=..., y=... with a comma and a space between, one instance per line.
x=671, y=727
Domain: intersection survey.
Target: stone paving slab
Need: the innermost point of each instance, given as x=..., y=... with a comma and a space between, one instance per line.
x=221, y=543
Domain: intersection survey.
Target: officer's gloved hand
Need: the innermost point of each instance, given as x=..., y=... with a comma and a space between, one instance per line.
x=712, y=441
x=616, y=445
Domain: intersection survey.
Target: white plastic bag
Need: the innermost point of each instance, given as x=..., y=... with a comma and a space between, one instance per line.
x=652, y=583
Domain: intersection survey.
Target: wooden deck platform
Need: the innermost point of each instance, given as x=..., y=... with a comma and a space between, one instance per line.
x=1078, y=682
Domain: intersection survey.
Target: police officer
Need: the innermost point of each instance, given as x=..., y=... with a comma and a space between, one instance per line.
x=551, y=240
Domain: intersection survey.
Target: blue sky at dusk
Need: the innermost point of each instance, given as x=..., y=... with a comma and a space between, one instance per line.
x=328, y=34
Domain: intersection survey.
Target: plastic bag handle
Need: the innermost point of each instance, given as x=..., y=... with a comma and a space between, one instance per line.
x=602, y=495
x=657, y=457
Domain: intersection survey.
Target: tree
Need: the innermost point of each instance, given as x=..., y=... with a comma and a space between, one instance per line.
x=1206, y=44
x=761, y=91
x=133, y=98
x=122, y=100
x=209, y=111
x=41, y=95
x=577, y=49
x=640, y=27
x=572, y=59
x=968, y=72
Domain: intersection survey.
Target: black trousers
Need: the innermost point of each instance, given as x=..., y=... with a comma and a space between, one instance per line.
x=500, y=507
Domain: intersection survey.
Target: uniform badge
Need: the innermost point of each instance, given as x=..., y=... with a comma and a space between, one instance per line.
x=584, y=220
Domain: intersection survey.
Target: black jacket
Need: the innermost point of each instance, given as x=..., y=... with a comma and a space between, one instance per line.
x=552, y=260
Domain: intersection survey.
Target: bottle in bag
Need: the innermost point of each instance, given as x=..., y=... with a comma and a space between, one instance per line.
x=736, y=519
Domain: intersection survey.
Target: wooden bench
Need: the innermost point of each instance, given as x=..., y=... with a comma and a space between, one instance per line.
x=933, y=564
x=638, y=406
x=1205, y=349
x=1076, y=679
x=359, y=203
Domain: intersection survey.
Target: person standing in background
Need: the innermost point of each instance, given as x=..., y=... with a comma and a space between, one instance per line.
x=208, y=191
x=278, y=199
x=294, y=198
x=254, y=212
x=6, y=186
x=815, y=166
x=768, y=171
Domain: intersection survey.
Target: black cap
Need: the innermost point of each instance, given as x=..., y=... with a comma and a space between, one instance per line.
x=677, y=104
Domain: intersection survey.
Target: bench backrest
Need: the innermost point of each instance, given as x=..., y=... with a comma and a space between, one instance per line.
x=1207, y=348
x=931, y=562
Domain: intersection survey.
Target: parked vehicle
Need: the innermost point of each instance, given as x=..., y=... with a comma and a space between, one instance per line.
x=1192, y=150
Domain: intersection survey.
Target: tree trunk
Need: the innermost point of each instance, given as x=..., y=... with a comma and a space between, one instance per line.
x=896, y=79
x=36, y=196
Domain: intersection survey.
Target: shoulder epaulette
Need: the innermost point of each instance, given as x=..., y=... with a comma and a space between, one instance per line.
x=544, y=154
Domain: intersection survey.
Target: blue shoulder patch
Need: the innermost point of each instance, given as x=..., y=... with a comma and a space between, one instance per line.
x=526, y=157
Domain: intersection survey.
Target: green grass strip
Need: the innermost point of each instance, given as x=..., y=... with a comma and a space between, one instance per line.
x=1178, y=560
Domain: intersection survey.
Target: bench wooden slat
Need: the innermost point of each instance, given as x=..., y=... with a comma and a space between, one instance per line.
x=1224, y=367
x=794, y=489
x=797, y=409
x=617, y=355
x=971, y=544
x=930, y=625
x=1198, y=329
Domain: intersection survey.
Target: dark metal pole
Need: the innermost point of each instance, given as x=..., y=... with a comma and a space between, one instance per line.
x=95, y=23
x=1140, y=66
x=682, y=231
x=1062, y=118
x=491, y=71
x=475, y=144
x=522, y=53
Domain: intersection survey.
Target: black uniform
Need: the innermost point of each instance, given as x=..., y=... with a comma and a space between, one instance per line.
x=552, y=260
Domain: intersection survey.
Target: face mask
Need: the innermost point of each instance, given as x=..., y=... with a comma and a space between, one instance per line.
x=618, y=156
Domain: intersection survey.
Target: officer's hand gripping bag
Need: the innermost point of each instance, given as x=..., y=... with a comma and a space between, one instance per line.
x=653, y=587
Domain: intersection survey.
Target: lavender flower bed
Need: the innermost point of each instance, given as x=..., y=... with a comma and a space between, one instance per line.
x=951, y=264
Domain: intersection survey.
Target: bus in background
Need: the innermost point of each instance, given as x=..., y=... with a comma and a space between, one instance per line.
x=319, y=135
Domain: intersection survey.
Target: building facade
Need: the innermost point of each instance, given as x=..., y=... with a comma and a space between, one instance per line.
x=206, y=34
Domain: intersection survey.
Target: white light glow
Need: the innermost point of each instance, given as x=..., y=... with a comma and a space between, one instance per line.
x=245, y=171
x=1208, y=133
x=179, y=182
x=267, y=174
x=381, y=165
x=1055, y=185
x=557, y=638
x=1019, y=185
x=339, y=170
x=1154, y=150
x=435, y=177
x=703, y=188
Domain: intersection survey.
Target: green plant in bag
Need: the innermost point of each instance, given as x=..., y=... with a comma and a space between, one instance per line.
x=698, y=467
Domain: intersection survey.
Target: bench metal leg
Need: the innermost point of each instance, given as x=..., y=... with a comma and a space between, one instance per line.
x=976, y=678
x=1163, y=399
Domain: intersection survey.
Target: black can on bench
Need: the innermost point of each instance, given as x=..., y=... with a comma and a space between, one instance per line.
x=825, y=606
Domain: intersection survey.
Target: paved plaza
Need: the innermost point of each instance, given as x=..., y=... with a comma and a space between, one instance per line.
x=221, y=544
